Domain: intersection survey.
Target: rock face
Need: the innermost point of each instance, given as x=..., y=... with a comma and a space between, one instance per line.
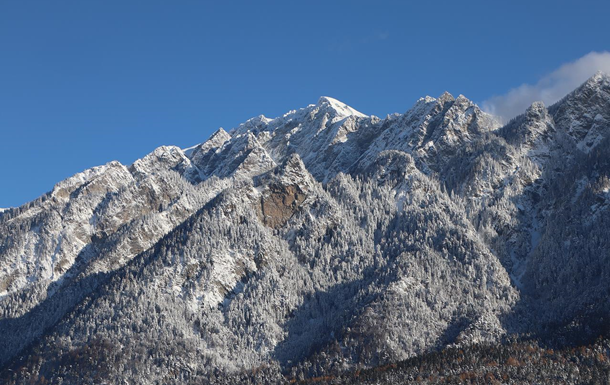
x=280, y=204
x=317, y=242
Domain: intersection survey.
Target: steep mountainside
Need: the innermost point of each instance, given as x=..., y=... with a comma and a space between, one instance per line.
x=319, y=242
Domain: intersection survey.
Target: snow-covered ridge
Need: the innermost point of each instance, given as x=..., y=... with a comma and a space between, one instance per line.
x=367, y=239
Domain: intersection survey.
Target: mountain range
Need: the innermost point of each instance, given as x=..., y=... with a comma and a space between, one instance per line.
x=319, y=244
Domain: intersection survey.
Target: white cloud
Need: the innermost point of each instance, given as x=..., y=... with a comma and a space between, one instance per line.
x=550, y=88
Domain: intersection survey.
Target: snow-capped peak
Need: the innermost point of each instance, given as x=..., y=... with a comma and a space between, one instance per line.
x=341, y=108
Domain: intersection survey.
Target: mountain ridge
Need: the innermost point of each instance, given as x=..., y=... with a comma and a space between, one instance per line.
x=318, y=242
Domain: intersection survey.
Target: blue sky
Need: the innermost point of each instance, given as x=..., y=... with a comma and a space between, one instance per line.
x=86, y=82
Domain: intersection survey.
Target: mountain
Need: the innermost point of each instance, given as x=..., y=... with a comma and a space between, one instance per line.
x=318, y=243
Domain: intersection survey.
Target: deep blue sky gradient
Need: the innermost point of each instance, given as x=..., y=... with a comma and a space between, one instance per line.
x=86, y=82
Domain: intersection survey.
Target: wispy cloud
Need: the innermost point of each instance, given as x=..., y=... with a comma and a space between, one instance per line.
x=550, y=88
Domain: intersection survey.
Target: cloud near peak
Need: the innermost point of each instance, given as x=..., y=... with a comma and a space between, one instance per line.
x=550, y=88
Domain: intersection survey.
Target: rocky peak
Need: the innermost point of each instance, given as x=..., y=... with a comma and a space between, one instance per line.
x=326, y=111
x=294, y=172
x=537, y=110
x=584, y=114
x=446, y=97
x=534, y=125
x=595, y=90
x=162, y=158
x=216, y=140
x=64, y=189
x=255, y=125
x=597, y=81
x=454, y=121
x=337, y=108
x=242, y=155
x=205, y=151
